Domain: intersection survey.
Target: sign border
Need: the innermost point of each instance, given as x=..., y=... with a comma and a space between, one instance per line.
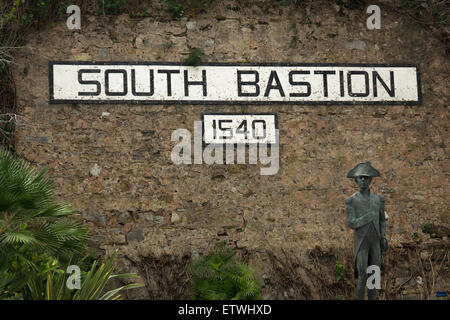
x=204, y=144
x=52, y=100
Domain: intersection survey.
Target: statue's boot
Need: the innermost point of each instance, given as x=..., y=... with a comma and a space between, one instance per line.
x=372, y=294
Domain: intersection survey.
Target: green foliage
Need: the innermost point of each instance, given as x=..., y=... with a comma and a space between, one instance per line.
x=48, y=280
x=180, y=8
x=408, y=3
x=141, y=14
x=293, y=43
x=220, y=276
x=426, y=227
x=38, y=241
x=168, y=45
x=52, y=285
x=415, y=236
x=33, y=227
x=195, y=57
x=23, y=13
x=30, y=215
x=112, y=6
x=340, y=274
x=176, y=8
x=62, y=8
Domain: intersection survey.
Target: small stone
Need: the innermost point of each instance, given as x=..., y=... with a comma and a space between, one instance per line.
x=234, y=168
x=105, y=114
x=103, y=53
x=195, y=254
x=96, y=217
x=158, y=219
x=98, y=238
x=149, y=216
x=95, y=171
x=355, y=45
x=424, y=255
x=124, y=218
x=119, y=239
x=305, y=258
x=82, y=57
x=136, y=235
x=139, y=42
x=191, y=25
x=175, y=218
x=37, y=139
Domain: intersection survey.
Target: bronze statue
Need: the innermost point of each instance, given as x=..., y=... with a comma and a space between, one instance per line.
x=365, y=214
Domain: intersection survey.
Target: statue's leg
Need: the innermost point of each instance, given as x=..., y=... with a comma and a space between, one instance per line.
x=361, y=266
x=374, y=259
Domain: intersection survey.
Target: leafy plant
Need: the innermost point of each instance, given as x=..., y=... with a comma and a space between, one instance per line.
x=293, y=43
x=426, y=227
x=168, y=45
x=176, y=8
x=195, y=57
x=33, y=227
x=220, y=276
x=38, y=241
x=53, y=284
x=340, y=274
x=30, y=215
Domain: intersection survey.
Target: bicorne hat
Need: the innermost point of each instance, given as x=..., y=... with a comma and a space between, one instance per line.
x=363, y=169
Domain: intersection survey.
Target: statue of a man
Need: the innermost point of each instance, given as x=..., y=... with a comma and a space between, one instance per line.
x=365, y=214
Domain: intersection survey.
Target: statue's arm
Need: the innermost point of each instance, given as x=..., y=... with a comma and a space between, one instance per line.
x=382, y=218
x=352, y=221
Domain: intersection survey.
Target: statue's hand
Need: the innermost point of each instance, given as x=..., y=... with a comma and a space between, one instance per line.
x=384, y=244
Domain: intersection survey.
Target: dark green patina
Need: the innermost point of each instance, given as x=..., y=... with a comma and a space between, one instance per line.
x=365, y=214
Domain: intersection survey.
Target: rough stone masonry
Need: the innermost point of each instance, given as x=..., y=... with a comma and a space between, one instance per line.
x=113, y=161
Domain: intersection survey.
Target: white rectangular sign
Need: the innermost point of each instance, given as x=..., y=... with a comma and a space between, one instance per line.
x=215, y=83
x=236, y=128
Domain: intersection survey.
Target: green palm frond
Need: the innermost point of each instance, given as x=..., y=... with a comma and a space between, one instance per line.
x=219, y=276
x=53, y=285
x=29, y=214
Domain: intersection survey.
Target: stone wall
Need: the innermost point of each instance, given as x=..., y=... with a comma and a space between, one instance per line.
x=113, y=161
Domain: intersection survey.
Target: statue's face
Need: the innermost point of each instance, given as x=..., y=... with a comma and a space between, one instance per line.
x=363, y=182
